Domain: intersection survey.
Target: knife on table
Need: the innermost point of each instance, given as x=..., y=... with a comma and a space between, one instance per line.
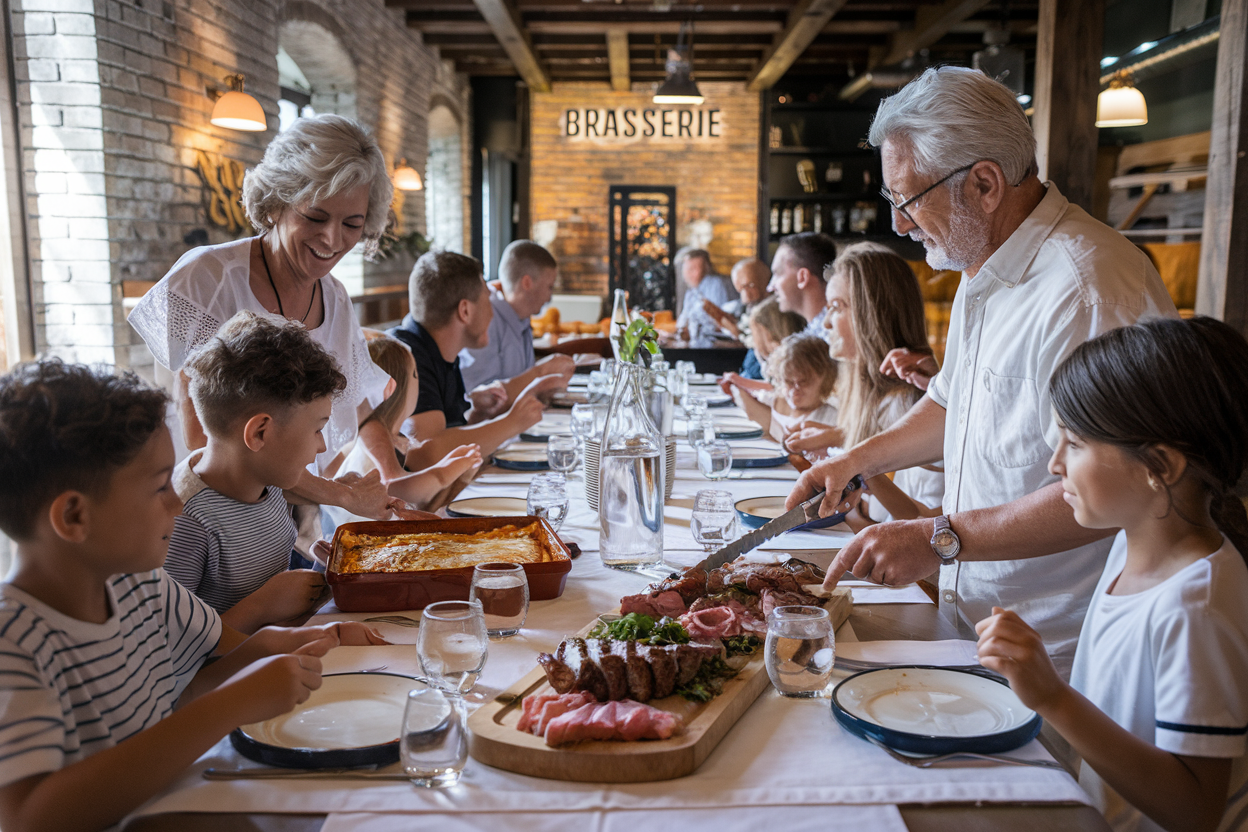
x=807, y=512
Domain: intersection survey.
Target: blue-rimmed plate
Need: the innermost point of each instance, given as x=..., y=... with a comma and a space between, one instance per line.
x=934, y=710
x=759, y=457
x=352, y=719
x=522, y=458
x=737, y=432
x=755, y=511
x=551, y=424
x=720, y=399
x=489, y=507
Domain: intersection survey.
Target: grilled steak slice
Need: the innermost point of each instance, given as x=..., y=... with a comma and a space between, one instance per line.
x=663, y=666
x=589, y=676
x=689, y=658
x=640, y=677
x=613, y=667
x=560, y=676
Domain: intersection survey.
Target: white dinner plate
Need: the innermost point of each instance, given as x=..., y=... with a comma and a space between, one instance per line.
x=489, y=507
x=755, y=511
x=551, y=424
x=352, y=719
x=567, y=398
x=755, y=457
x=934, y=710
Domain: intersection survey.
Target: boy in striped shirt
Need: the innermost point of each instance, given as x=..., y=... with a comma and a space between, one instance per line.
x=263, y=392
x=98, y=645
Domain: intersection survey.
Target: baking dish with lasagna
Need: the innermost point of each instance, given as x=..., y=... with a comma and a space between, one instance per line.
x=407, y=564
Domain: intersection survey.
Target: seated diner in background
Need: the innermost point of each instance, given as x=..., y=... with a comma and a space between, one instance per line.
x=383, y=447
x=1041, y=276
x=321, y=188
x=768, y=327
x=694, y=325
x=527, y=274
x=750, y=277
x=450, y=311
x=797, y=276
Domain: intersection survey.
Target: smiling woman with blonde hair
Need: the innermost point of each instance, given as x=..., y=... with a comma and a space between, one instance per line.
x=321, y=189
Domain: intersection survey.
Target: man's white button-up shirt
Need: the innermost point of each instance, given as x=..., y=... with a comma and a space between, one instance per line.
x=1059, y=280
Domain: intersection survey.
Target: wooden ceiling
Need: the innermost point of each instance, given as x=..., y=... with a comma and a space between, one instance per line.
x=756, y=41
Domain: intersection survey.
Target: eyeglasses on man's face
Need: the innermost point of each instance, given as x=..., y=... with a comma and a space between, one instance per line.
x=900, y=207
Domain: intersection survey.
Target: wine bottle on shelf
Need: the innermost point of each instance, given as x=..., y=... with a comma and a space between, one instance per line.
x=775, y=218
x=816, y=218
x=786, y=220
x=799, y=218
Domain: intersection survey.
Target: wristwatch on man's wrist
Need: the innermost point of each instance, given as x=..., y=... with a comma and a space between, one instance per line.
x=945, y=541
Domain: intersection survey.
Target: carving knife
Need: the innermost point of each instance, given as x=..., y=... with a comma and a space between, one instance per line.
x=807, y=512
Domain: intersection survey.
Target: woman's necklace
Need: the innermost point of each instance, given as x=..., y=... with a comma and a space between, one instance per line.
x=265, y=259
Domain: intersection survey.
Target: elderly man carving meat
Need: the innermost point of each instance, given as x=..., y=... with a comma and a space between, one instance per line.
x=1040, y=276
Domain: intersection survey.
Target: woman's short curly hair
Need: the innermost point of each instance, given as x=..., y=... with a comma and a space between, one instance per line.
x=318, y=158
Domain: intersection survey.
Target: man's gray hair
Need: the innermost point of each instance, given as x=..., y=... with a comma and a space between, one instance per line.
x=951, y=116
x=318, y=158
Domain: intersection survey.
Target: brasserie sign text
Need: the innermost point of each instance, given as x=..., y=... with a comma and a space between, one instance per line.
x=624, y=125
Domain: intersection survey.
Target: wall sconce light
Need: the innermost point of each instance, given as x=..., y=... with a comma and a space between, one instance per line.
x=407, y=178
x=1121, y=104
x=236, y=110
x=679, y=86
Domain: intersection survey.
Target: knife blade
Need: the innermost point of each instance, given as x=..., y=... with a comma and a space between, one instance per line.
x=807, y=512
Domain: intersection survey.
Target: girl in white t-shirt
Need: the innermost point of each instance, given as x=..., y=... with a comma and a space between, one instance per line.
x=873, y=307
x=1154, y=435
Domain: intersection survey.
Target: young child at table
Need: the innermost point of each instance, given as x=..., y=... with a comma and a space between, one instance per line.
x=874, y=307
x=382, y=447
x=97, y=643
x=262, y=392
x=1153, y=437
x=768, y=328
x=804, y=376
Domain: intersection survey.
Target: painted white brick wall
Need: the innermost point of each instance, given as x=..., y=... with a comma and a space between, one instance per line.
x=114, y=104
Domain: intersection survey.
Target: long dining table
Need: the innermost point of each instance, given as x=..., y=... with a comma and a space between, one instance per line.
x=786, y=762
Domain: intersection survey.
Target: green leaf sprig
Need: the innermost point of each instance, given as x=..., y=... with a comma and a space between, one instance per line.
x=639, y=334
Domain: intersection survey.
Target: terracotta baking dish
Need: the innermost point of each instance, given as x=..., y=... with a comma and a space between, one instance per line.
x=389, y=591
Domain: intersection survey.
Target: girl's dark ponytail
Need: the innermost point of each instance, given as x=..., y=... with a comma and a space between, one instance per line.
x=1232, y=518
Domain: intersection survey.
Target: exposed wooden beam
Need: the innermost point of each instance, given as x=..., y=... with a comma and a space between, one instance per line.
x=931, y=23
x=1068, y=70
x=805, y=22
x=659, y=27
x=1222, y=290
x=504, y=20
x=449, y=27
x=617, y=54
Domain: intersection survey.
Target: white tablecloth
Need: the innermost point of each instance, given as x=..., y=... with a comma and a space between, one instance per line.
x=782, y=752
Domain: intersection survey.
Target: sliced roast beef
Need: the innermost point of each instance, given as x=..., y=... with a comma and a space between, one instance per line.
x=654, y=604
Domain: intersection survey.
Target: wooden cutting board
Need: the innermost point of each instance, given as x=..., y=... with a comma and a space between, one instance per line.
x=495, y=741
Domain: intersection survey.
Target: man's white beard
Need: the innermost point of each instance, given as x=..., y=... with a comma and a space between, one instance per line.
x=965, y=241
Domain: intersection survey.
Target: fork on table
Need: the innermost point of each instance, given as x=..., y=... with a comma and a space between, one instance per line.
x=929, y=761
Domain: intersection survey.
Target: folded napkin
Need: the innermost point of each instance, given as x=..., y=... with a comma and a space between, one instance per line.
x=876, y=594
x=951, y=652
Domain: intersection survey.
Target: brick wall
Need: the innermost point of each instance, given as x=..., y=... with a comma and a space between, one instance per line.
x=114, y=104
x=716, y=179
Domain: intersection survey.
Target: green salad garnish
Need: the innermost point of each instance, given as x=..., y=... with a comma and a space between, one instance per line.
x=643, y=629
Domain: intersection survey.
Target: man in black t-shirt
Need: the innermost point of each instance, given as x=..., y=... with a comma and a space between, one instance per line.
x=450, y=310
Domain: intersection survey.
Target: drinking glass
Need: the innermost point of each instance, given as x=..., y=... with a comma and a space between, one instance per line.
x=548, y=498
x=694, y=406
x=502, y=589
x=452, y=644
x=702, y=430
x=799, y=651
x=561, y=452
x=685, y=369
x=714, y=522
x=599, y=386
x=583, y=422
x=714, y=459
x=434, y=744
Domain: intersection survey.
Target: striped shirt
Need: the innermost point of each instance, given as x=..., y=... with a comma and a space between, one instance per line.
x=224, y=550
x=70, y=688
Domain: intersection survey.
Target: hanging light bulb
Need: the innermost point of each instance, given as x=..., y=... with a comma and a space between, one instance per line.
x=236, y=110
x=407, y=178
x=679, y=86
x=1121, y=105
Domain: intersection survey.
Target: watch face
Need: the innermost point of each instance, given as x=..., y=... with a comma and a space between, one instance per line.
x=945, y=542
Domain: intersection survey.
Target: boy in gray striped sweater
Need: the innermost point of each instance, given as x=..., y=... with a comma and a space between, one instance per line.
x=97, y=643
x=263, y=393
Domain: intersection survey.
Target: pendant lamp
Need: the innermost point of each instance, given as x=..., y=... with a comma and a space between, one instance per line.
x=236, y=110
x=407, y=178
x=1121, y=105
x=679, y=86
